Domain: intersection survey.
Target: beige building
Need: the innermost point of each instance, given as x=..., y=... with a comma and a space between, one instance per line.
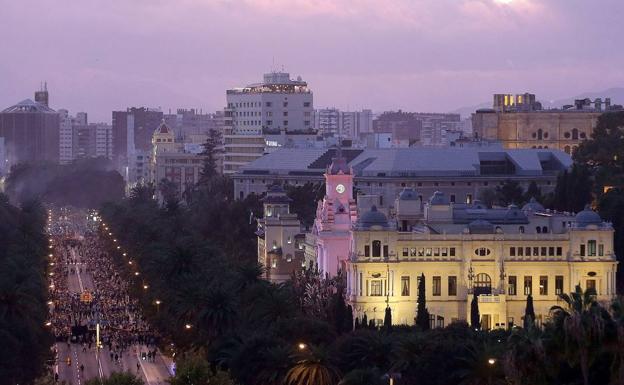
x=520, y=122
x=499, y=254
x=180, y=163
x=280, y=239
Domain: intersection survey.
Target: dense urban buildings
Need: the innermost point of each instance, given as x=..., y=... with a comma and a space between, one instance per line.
x=518, y=121
x=461, y=173
x=30, y=131
x=188, y=122
x=276, y=104
x=132, y=141
x=351, y=125
x=407, y=129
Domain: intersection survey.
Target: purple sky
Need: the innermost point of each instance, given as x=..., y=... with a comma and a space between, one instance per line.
x=430, y=55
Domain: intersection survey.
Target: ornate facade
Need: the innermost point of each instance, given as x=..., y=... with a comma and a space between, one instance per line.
x=501, y=255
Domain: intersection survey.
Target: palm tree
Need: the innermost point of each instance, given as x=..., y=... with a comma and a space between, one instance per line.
x=524, y=360
x=367, y=376
x=479, y=365
x=617, y=311
x=582, y=324
x=315, y=367
x=366, y=348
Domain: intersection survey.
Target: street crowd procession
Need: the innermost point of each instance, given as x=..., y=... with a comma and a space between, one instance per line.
x=92, y=313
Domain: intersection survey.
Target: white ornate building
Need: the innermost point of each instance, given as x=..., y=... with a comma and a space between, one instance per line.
x=499, y=254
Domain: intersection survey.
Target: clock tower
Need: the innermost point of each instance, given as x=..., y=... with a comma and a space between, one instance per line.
x=335, y=215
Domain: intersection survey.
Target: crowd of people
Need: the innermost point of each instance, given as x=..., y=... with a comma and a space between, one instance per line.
x=74, y=315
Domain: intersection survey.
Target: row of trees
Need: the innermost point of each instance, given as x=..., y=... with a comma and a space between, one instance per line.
x=24, y=337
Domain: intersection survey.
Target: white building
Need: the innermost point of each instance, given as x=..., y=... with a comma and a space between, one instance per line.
x=346, y=124
x=103, y=140
x=278, y=103
x=65, y=137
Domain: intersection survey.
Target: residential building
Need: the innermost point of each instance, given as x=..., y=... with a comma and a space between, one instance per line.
x=132, y=139
x=518, y=121
x=276, y=103
x=103, y=140
x=460, y=172
x=186, y=122
x=31, y=132
x=280, y=238
x=331, y=122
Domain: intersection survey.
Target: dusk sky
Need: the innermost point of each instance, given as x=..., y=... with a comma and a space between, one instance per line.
x=430, y=55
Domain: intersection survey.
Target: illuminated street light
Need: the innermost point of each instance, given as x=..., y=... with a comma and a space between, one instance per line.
x=48, y=323
x=124, y=254
x=129, y=262
x=136, y=273
x=111, y=234
x=145, y=287
x=188, y=326
x=491, y=361
x=118, y=247
x=302, y=346
x=115, y=240
x=158, y=302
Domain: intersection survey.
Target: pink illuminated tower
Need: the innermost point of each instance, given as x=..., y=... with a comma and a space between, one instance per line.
x=335, y=215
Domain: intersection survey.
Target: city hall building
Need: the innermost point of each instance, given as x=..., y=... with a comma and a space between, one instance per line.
x=500, y=255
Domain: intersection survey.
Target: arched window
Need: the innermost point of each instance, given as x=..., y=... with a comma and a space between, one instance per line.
x=538, y=229
x=377, y=249
x=482, y=251
x=544, y=229
x=521, y=229
x=483, y=284
x=566, y=149
x=583, y=135
x=575, y=134
x=540, y=134
x=546, y=135
x=566, y=135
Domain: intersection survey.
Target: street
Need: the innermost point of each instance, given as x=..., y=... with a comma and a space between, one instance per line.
x=124, y=335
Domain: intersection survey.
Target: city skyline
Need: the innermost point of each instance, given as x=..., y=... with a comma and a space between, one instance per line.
x=379, y=58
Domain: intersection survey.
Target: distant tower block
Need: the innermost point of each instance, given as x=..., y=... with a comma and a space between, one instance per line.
x=42, y=96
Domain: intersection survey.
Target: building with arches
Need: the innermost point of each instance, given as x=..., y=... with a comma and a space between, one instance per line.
x=500, y=255
x=518, y=121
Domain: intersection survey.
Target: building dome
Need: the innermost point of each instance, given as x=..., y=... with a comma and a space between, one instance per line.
x=534, y=206
x=481, y=226
x=373, y=218
x=438, y=198
x=408, y=194
x=587, y=217
x=28, y=105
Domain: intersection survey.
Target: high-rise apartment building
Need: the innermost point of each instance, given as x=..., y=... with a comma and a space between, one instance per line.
x=188, y=122
x=103, y=140
x=346, y=124
x=276, y=104
x=30, y=131
x=132, y=141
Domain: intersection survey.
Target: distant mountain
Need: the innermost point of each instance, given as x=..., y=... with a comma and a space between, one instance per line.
x=616, y=94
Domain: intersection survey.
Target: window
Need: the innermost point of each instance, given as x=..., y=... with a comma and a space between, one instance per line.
x=483, y=284
x=376, y=289
x=482, y=251
x=367, y=251
x=385, y=251
x=543, y=251
x=591, y=248
x=452, y=198
x=559, y=251
x=469, y=198
x=436, y=251
x=535, y=251
x=543, y=285
x=559, y=284
x=582, y=250
x=601, y=249
x=512, y=251
x=285, y=104
x=528, y=285
x=285, y=122
x=376, y=249
x=437, y=286
x=452, y=251
x=512, y=285
x=405, y=286
x=306, y=104
x=444, y=251
x=527, y=251
x=452, y=285
x=405, y=252
x=551, y=251
x=285, y=113
x=591, y=285
x=520, y=251
x=413, y=252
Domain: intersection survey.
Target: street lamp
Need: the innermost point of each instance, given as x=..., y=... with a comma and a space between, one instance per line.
x=302, y=346
x=145, y=287
x=491, y=361
x=157, y=306
x=188, y=326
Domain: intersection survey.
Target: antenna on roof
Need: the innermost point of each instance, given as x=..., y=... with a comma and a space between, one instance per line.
x=45, y=86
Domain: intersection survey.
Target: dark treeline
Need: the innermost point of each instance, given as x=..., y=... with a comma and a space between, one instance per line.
x=85, y=183
x=25, y=340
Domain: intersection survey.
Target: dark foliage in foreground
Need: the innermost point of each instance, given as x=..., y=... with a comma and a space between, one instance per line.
x=24, y=339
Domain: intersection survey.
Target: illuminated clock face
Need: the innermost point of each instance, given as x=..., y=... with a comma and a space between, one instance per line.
x=340, y=188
